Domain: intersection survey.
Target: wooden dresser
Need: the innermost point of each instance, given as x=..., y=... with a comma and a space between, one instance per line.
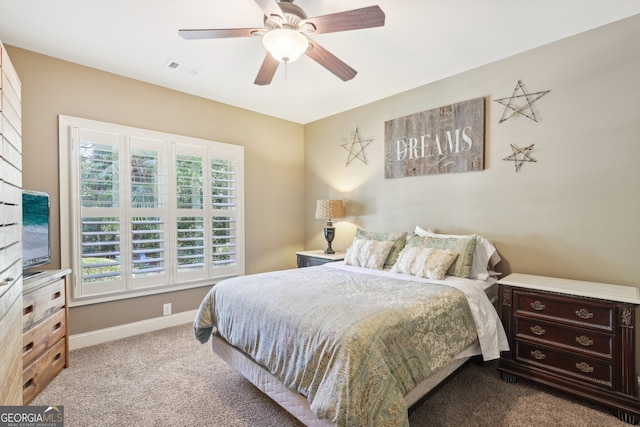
x=45, y=336
x=577, y=337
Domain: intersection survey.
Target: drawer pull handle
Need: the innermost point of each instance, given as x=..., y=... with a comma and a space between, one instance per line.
x=538, y=330
x=584, y=340
x=59, y=325
x=583, y=313
x=538, y=355
x=584, y=367
x=27, y=310
x=27, y=348
x=537, y=305
x=56, y=295
x=28, y=384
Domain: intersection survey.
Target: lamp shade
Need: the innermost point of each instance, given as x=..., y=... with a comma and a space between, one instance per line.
x=328, y=209
x=284, y=44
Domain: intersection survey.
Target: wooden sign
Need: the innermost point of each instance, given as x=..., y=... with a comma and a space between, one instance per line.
x=443, y=140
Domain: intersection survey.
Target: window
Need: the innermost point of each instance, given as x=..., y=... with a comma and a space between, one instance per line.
x=148, y=212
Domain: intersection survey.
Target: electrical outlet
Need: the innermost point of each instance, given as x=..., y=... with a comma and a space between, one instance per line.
x=166, y=309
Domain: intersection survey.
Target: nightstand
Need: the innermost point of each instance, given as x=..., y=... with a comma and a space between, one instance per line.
x=577, y=337
x=311, y=258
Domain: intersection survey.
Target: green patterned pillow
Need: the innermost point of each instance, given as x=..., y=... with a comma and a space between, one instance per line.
x=463, y=246
x=398, y=240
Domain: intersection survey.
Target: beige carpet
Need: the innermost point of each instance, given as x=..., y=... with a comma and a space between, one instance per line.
x=166, y=378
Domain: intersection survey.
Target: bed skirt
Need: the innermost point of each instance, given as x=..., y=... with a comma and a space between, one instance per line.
x=295, y=403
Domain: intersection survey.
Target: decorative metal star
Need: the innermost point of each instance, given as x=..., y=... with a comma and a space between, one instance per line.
x=526, y=109
x=356, y=147
x=523, y=153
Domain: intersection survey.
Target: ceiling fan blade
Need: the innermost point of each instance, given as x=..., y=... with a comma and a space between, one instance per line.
x=356, y=19
x=330, y=61
x=219, y=33
x=267, y=70
x=271, y=8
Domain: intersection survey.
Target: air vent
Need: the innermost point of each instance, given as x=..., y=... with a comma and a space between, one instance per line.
x=183, y=68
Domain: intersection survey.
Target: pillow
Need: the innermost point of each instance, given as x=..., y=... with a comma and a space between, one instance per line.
x=485, y=256
x=434, y=265
x=398, y=240
x=463, y=246
x=405, y=260
x=368, y=253
x=424, y=262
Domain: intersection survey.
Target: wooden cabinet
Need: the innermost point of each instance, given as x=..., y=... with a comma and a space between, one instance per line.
x=45, y=339
x=11, y=343
x=10, y=233
x=311, y=258
x=577, y=337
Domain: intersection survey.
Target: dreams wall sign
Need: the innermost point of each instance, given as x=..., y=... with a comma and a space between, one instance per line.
x=443, y=140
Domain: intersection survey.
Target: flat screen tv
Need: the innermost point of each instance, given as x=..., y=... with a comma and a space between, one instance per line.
x=36, y=239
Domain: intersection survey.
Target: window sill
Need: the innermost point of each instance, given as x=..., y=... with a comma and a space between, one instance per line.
x=122, y=295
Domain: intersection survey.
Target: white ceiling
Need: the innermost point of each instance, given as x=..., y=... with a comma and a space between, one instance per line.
x=422, y=41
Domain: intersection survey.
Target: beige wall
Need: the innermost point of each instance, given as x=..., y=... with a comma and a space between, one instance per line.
x=573, y=214
x=273, y=163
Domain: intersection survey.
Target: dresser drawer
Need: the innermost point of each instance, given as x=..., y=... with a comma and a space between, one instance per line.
x=567, y=364
x=40, y=373
x=581, y=312
x=37, y=339
x=310, y=261
x=313, y=258
x=41, y=302
x=584, y=341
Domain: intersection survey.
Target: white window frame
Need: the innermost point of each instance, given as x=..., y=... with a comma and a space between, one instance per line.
x=170, y=145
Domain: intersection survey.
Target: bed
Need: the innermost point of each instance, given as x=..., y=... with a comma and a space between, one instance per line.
x=357, y=342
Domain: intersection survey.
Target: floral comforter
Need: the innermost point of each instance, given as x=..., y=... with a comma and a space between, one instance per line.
x=353, y=344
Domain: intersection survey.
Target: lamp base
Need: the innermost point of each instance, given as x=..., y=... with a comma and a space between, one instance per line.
x=329, y=234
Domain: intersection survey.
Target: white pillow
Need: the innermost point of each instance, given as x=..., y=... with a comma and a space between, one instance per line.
x=484, y=256
x=431, y=263
x=405, y=260
x=368, y=253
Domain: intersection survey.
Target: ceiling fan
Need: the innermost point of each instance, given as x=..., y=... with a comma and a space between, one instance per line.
x=285, y=32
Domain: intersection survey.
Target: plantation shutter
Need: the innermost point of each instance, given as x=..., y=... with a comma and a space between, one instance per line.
x=148, y=212
x=191, y=230
x=100, y=261
x=224, y=205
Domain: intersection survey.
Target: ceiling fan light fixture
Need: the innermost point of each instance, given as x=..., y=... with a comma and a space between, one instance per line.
x=285, y=44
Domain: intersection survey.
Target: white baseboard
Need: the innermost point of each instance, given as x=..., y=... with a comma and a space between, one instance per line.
x=87, y=339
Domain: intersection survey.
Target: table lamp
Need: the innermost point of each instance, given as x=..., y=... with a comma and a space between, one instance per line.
x=328, y=209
